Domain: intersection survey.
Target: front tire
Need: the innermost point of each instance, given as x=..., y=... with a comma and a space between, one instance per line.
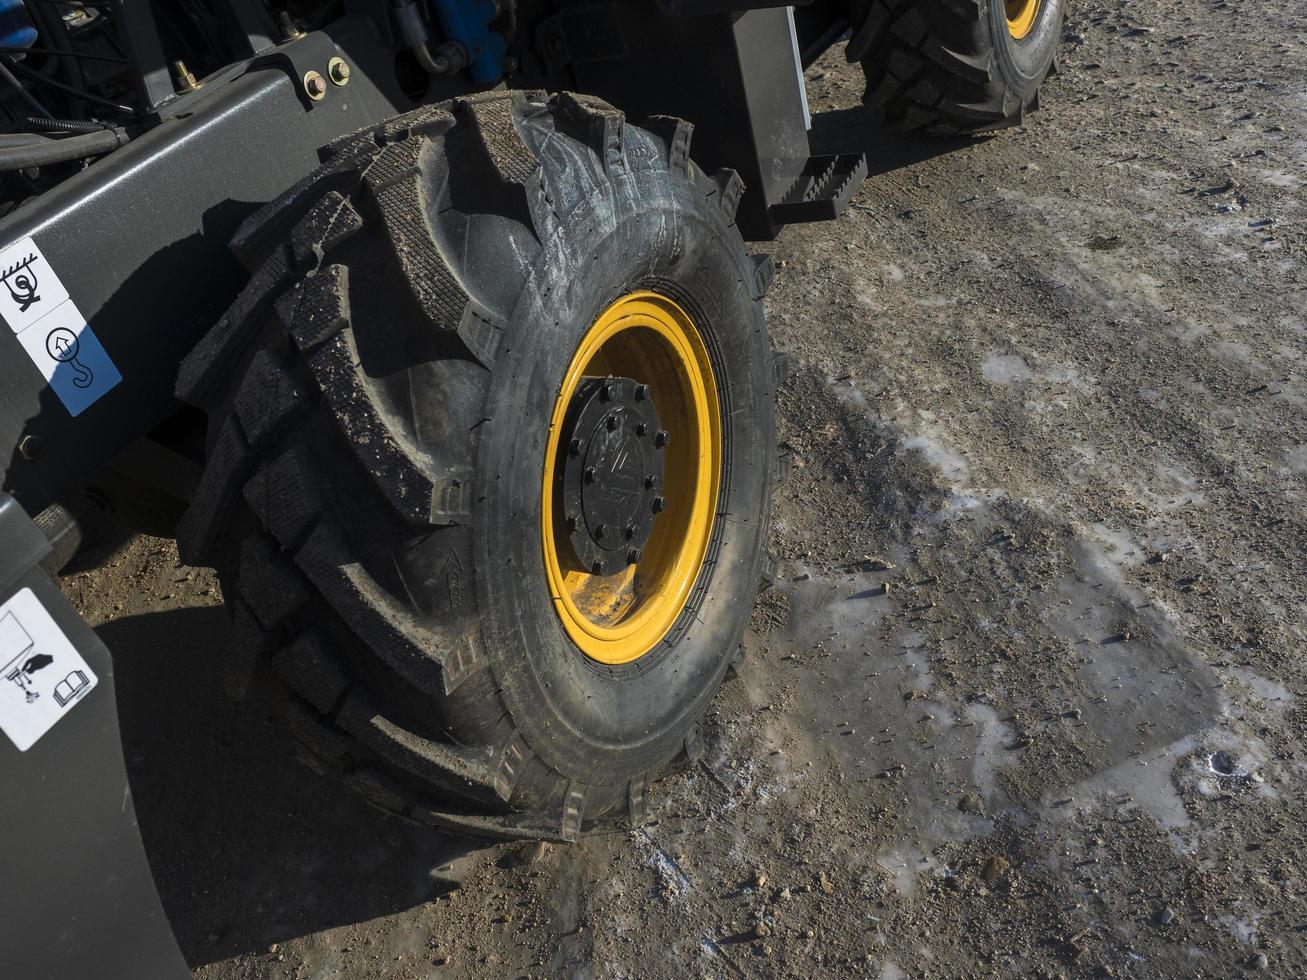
x=380, y=402
x=955, y=66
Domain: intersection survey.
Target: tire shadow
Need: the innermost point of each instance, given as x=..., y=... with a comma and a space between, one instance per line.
x=247, y=846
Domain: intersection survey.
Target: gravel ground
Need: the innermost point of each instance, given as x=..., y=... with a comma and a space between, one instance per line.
x=1030, y=696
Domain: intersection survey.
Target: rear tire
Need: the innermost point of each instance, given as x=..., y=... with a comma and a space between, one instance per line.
x=955, y=66
x=379, y=401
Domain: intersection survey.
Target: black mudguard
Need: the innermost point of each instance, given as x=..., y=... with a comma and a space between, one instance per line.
x=77, y=897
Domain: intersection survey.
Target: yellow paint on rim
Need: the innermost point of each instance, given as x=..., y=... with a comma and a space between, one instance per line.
x=618, y=618
x=1021, y=16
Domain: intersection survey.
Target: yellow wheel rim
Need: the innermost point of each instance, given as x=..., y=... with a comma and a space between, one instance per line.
x=619, y=617
x=1021, y=16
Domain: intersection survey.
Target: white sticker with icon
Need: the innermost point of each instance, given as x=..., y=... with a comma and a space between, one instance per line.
x=41, y=673
x=37, y=307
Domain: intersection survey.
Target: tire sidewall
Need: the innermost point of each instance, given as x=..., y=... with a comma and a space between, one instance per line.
x=592, y=722
x=1024, y=63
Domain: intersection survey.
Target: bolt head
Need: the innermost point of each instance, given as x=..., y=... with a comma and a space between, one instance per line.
x=659, y=504
x=601, y=530
x=650, y=482
x=642, y=392
x=641, y=428
x=597, y=567
x=315, y=85
x=613, y=423
x=633, y=556
x=661, y=439
x=30, y=448
x=338, y=71
x=608, y=392
x=590, y=474
x=629, y=532
x=572, y=522
x=574, y=447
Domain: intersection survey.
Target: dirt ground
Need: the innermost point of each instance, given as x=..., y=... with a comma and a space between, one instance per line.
x=1030, y=697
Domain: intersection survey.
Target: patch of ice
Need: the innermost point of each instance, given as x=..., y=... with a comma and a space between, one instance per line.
x=1276, y=696
x=951, y=466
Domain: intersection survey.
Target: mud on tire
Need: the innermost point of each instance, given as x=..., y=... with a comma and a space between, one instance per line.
x=378, y=401
x=952, y=66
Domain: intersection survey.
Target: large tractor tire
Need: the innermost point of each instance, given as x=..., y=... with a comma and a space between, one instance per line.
x=490, y=443
x=955, y=66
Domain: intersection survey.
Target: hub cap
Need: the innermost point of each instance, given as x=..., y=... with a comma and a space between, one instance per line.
x=632, y=466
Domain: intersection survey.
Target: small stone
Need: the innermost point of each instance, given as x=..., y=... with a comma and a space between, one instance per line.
x=784, y=895
x=1166, y=917
x=533, y=851
x=759, y=878
x=762, y=930
x=825, y=884
x=766, y=949
x=272, y=948
x=810, y=933
x=996, y=867
x=971, y=803
x=1259, y=962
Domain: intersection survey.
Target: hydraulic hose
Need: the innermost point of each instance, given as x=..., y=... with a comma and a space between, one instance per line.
x=47, y=125
x=21, y=155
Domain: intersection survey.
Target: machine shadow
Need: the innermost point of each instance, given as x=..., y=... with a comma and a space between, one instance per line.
x=857, y=129
x=248, y=847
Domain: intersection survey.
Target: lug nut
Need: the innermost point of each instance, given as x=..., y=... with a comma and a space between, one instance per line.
x=650, y=482
x=641, y=428
x=601, y=530
x=572, y=522
x=642, y=392
x=338, y=71
x=629, y=532
x=633, y=556
x=315, y=86
x=590, y=474
x=613, y=423
x=607, y=392
x=659, y=504
x=661, y=439
x=597, y=567
x=574, y=447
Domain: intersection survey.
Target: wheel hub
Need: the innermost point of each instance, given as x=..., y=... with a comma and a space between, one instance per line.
x=613, y=473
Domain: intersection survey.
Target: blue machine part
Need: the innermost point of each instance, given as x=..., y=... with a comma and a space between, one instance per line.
x=16, y=29
x=468, y=23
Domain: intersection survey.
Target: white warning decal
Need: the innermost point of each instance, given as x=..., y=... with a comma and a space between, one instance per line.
x=41, y=673
x=37, y=307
